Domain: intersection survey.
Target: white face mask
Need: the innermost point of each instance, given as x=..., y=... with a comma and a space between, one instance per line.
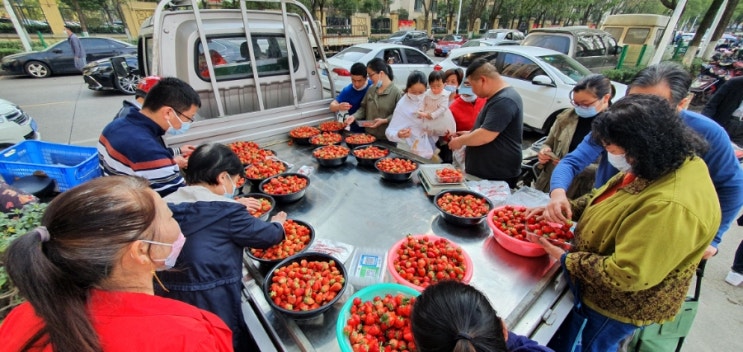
x=619, y=161
x=468, y=98
x=415, y=98
x=366, y=83
x=230, y=195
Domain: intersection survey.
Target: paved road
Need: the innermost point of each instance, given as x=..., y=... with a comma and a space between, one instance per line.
x=68, y=112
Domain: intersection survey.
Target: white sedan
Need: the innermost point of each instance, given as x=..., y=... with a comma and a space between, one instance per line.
x=543, y=78
x=403, y=60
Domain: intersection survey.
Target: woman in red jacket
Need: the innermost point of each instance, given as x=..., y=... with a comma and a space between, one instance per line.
x=87, y=276
x=465, y=109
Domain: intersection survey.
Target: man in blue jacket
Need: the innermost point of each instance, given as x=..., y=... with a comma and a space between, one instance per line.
x=133, y=145
x=349, y=99
x=672, y=82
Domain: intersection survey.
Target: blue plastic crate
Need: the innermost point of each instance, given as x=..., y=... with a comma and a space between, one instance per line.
x=69, y=165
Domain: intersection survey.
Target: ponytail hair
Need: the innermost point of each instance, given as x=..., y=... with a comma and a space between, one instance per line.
x=378, y=65
x=85, y=231
x=452, y=316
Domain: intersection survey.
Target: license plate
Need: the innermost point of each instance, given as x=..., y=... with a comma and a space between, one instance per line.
x=324, y=72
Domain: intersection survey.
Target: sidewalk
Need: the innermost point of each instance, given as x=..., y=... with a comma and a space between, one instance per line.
x=718, y=326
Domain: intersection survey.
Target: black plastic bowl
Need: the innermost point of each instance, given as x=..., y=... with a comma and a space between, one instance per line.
x=401, y=177
x=286, y=198
x=309, y=256
x=369, y=161
x=301, y=140
x=355, y=145
x=459, y=220
x=330, y=162
x=320, y=145
x=273, y=262
x=256, y=181
x=265, y=215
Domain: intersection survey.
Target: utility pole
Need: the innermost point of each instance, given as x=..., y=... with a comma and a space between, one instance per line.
x=669, y=33
x=18, y=26
x=459, y=15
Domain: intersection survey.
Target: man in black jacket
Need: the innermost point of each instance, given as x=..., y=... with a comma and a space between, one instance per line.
x=726, y=108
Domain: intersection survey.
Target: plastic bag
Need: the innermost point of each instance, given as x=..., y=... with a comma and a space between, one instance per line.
x=528, y=197
x=496, y=191
x=458, y=158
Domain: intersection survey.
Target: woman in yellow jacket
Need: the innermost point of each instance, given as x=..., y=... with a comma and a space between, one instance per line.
x=640, y=237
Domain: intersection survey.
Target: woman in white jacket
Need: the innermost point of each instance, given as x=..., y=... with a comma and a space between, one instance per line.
x=406, y=128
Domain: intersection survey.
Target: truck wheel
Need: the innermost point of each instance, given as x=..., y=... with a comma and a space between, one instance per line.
x=424, y=48
x=37, y=69
x=128, y=84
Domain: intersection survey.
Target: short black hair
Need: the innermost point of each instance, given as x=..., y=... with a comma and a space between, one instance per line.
x=358, y=69
x=481, y=67
x=456, y=72
x=436, y=76
x=173, y=92
x=208, y=161
x=655, y=140
x=673, y=74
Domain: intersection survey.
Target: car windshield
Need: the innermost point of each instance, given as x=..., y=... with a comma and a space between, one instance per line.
x=550, y=41
x=353, y=54
x=397, y=34
x=570, y=71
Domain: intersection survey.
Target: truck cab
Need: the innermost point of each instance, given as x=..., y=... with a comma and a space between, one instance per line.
x=254, y=83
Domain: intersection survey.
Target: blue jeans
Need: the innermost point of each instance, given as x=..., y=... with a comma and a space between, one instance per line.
x=601, y=334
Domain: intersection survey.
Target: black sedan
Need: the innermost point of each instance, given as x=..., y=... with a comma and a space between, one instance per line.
x=57, y=59
x=101, y=75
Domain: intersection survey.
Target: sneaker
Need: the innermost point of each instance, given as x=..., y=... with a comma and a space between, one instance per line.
x=734, y=278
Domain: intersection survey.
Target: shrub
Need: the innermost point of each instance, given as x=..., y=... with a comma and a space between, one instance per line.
x=622, y=75
x=13, y=225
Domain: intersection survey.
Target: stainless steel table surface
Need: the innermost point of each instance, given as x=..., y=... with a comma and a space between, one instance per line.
x=353, y=204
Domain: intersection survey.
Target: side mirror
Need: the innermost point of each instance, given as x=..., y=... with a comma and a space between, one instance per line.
x=57, y=51
x=617, y=50
x=543, y=80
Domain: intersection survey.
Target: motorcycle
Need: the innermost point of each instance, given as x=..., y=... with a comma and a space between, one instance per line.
x=707, y=82
x=530, y=169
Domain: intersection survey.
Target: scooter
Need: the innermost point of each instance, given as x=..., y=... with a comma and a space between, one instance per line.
x=530, y=169
x=707, y=83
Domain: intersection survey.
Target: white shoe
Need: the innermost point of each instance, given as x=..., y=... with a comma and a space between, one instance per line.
x=734, y=278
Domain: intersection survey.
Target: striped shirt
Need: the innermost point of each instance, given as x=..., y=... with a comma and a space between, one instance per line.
x=133, y=145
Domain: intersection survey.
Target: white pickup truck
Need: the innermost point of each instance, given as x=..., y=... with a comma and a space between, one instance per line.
x=247, y=89
x=258, y=84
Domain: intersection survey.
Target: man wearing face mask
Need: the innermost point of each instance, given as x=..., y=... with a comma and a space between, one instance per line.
x=133, y=145
x=349, y=99
x=218, y=228
x=671, y=82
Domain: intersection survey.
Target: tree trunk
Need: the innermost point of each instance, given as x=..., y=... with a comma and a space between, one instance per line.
x=584, y=20
x=709, y=17
x=720, y=30
x=669, y=4
x=79, y=12
x=495, y=11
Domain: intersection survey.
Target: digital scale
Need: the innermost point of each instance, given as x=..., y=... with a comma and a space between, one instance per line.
x=427, y=176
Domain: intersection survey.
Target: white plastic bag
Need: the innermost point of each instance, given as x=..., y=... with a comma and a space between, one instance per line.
x=458, y=158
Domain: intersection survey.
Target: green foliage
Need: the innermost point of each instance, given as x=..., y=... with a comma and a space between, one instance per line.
x=13, y=225
x=403, y=14
x=370, y=6
x=30, y=28
x=622, y=75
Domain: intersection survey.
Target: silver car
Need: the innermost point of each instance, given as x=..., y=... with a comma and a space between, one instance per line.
x=15, y=125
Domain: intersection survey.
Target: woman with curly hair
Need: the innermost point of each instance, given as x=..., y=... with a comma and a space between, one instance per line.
x=640, y=237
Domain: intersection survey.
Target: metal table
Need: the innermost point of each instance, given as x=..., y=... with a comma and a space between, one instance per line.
x=353, y=204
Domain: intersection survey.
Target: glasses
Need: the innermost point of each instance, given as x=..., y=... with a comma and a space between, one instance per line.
x=583, y=106
x=160, y=243
x=178, y=114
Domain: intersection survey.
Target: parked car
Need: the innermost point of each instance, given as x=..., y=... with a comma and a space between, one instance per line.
x=594, y=48
x=488, y=42
x=402, y=59
x=15, y=125
x=543, y=78
x=447, y=43
x=102, y=75
x=509, y=34
x=57, y=59
x=416, y=39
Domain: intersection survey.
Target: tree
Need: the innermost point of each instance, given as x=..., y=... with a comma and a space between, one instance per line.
x=495, y=11
x=79, y=5
x=709, y=17
x=427, y=5
x=345, y=7
x=371, y=7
